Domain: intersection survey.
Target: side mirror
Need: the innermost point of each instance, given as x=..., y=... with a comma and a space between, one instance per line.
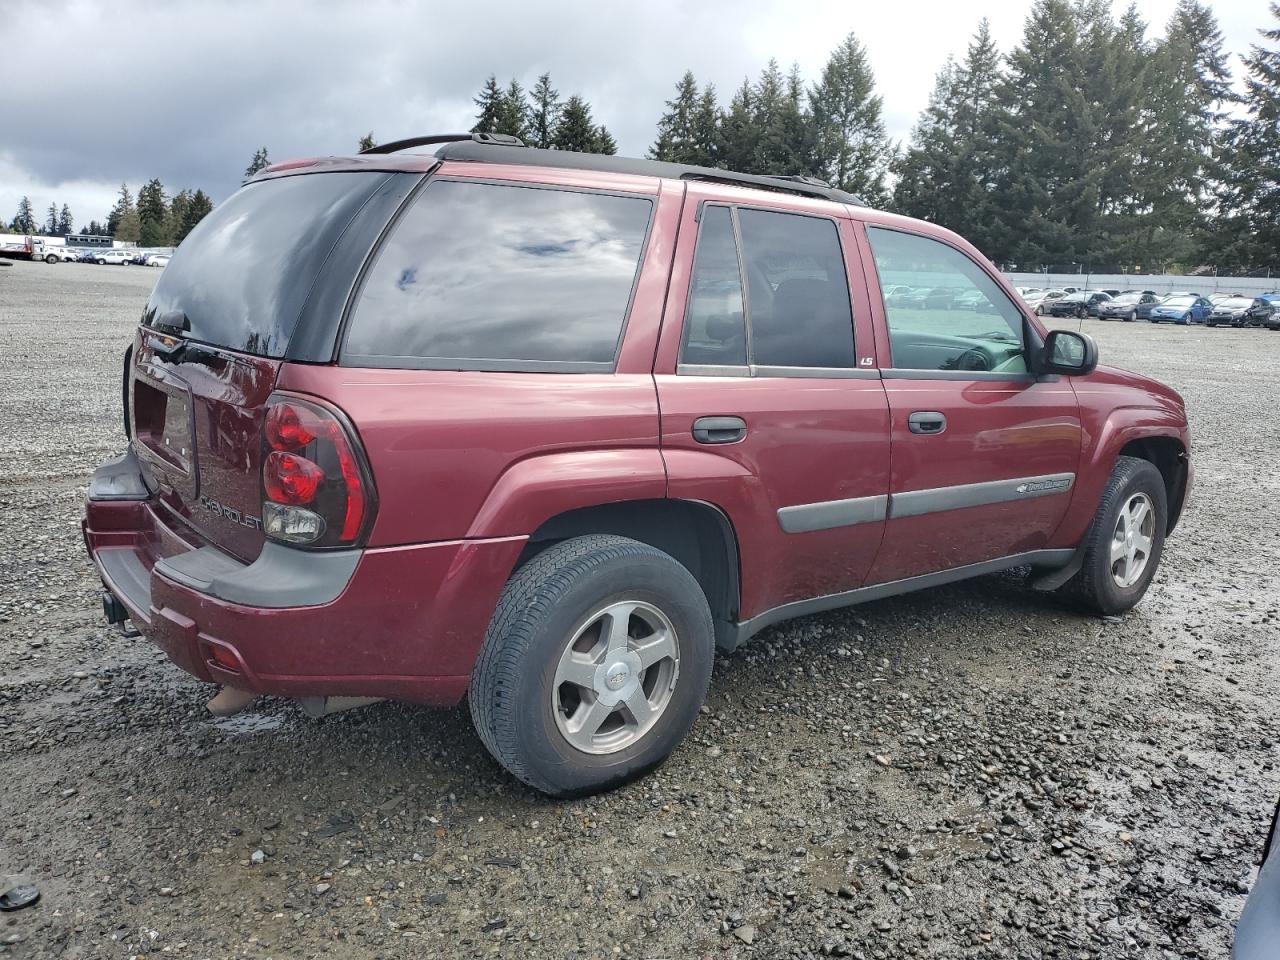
x=1067, y=352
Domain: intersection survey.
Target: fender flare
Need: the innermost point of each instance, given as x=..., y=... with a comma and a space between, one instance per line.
x=1097, y=460
x=533, y=490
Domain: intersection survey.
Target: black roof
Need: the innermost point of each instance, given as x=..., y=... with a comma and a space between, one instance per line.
x=492, y=148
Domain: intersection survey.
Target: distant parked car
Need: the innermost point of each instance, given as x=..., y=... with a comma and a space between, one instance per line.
x=1039, y=302
x=941, y=298
x=59, y=255
x=1239, y=312
x=157, y=260
x=1181, y=308
x=1112, y=293
x=121, y=257
x=1081, y=304
x=1127, y=307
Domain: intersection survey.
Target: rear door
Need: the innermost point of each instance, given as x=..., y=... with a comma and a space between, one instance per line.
x=218, y=324
x=771, y=406
x=984, y=454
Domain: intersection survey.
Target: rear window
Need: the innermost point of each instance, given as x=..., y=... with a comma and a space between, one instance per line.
x=240, y=278
x=485, y=276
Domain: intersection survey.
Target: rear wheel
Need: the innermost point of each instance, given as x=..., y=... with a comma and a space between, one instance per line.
x=594, y=665
x=1125, y=541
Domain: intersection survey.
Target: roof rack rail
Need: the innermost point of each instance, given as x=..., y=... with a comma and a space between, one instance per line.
x=500, y=139
x=492, y=150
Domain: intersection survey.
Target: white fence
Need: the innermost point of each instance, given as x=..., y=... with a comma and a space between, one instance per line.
x=1166, y=283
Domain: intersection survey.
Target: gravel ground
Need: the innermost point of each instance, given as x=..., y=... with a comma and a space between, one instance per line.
x=974, y=771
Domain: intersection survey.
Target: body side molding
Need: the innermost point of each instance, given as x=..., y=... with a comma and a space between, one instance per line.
x=807, y=517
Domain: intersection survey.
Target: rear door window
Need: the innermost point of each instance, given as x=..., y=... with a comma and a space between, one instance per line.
x=485, y=276
x=768, y=295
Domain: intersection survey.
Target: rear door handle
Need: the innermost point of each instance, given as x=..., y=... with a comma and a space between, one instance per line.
x=927, y=422
x=719, y=429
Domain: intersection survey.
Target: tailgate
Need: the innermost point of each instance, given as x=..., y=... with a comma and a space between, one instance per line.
x=197, y=427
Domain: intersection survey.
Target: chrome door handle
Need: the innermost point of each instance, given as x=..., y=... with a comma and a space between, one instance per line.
x=927, y=422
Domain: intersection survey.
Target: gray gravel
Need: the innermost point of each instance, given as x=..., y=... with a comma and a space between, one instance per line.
x=970, y=772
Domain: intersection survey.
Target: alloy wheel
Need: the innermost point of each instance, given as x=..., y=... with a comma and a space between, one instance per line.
x=1132, y=540
x=616, y=677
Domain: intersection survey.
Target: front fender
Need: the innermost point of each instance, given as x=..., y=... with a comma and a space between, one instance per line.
x=533, y=490
x=1104, y=437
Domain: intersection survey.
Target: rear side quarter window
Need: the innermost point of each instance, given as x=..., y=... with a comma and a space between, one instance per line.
x=485, y=276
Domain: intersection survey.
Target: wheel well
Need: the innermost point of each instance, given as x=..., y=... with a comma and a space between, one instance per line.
x=1170, y=458
x=696, y=534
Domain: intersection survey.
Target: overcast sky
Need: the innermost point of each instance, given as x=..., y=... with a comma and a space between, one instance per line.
x=186, y=91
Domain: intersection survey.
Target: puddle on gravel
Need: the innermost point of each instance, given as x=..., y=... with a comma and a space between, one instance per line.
x=247, y=723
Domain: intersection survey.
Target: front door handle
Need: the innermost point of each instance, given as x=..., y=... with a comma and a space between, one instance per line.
x=927, y=422
x=719, y=429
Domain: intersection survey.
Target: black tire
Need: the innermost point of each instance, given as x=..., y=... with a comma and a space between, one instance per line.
x=542, y=606
x=1039, y=310
x=1093, y=587
x=1133, y=315
x=101, y=263
x=50, y=258
x=1081, y=313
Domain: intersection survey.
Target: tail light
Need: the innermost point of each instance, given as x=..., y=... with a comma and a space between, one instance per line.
x=316, y=487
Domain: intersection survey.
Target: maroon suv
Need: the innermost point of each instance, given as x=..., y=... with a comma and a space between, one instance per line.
x=544, y=429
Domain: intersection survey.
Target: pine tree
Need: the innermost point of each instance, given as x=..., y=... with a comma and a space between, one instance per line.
x=787, y=140
x=604, y=142
x=1046, y=190
x=124, y=203
x=708, y=141
x=490, y=103
x=197, y=209
x=129, y=226
x=544, y=113
x=366, y=143
x=1247, y=228
x=738, y=131
x=66, y=225
x=1190, y=87
x=153, y=214
x=576, y=130
x=513, y=112
x=177, y=218
x=50, y=228
x=25, y=220
x=853, y=151
x=676, y=139
x=946, y=175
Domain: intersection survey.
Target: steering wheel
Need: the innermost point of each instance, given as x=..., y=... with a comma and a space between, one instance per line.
x=973, y=359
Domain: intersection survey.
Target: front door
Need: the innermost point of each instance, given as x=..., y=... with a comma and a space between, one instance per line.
x=984, y=454
x=771, y=407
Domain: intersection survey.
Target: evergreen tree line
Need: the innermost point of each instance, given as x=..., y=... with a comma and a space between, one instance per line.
x=540, y=118
x=1092, y=144
x=155, y=220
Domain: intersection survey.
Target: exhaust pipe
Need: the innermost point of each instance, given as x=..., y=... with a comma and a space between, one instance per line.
x=323, y=706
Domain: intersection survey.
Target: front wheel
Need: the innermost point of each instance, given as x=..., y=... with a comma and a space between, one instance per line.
x=101, y=263
x=1125, y=541
x=1133, y=315
x=594, y=665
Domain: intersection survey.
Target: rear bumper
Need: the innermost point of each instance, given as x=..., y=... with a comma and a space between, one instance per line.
x=403, y=623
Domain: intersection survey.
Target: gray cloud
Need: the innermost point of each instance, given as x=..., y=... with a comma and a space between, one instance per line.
x=186, y=91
